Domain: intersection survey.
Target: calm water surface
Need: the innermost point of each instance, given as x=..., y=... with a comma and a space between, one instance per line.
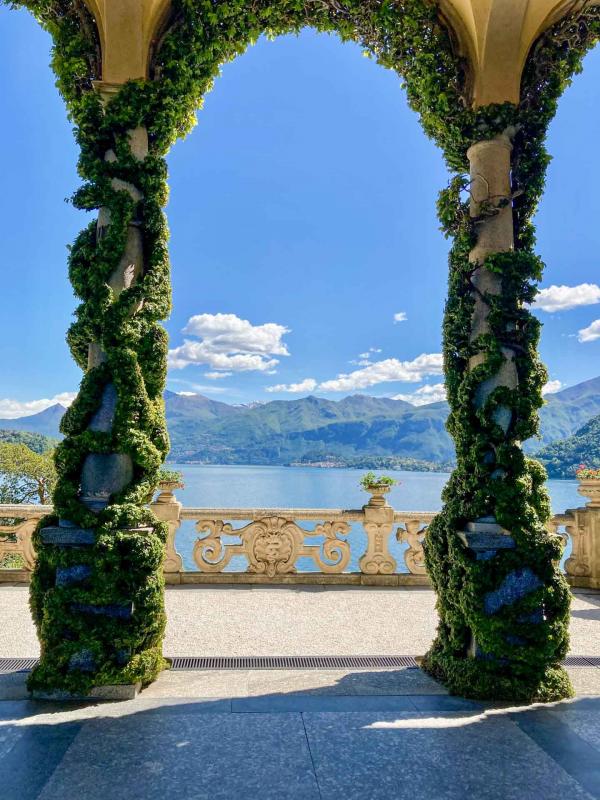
x=308, y=487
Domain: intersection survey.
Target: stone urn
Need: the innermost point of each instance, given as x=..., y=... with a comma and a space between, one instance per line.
x=167, y=491
x=590, y=488
x=378, y=492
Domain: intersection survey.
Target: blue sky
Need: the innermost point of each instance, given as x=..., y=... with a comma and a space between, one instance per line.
x=302, y=219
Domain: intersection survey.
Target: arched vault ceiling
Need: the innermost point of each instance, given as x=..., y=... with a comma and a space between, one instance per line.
x=499, y=36
x=495, y=35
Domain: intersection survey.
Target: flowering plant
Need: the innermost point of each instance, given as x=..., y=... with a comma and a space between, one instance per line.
x=370, y=479
x=584, y=473
x=170, y=476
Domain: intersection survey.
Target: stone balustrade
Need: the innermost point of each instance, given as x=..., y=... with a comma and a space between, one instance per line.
x=267, y=544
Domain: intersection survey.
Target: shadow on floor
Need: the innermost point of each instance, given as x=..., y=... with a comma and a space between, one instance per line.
x=587, y=613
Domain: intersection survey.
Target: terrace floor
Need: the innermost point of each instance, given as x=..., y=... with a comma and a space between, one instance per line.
x=298, y=734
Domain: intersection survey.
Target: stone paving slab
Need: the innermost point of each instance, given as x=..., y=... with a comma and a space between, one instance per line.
x=200, y=683
x=422, y=757
x=217, y=757
x=344, y=682
x=585, y=680
x=311, y=702
x=212, y=749
x=297, y=620
x=566, y=738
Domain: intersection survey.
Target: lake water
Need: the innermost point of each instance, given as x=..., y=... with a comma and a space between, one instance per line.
x=309, y=487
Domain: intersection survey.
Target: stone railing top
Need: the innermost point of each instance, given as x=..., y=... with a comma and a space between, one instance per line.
x=23, y=510
x=350, y=514
x=565, y=518
x=408, y=516
x=28, y=510
x=261, y=513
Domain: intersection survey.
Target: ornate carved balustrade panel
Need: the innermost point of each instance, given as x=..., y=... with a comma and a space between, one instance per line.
x=17, y=523
x=272, y=540
x=413, y=531
x=574, y=526
x=268, y=543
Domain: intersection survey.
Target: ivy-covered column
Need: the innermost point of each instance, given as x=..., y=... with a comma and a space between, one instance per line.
x=97, y=591
x=490, y=209
x=502, y=601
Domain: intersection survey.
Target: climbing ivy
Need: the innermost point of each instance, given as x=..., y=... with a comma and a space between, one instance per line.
x=520, y=645
x=125, y=561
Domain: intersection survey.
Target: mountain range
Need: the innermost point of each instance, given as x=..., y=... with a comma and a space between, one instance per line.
x=356, y=430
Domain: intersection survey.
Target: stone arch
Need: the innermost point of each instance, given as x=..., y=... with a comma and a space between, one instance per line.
x=350, y=23
x=488, y=553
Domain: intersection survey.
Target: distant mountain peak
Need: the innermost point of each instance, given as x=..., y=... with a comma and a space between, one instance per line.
x=319, y=429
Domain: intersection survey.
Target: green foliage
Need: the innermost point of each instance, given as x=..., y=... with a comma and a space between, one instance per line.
x=492, y=475
x=169, y=476
x=25, y=476
x=373, y=462
x=564, y=458
x=370, y=480
x=34, y=441
x=347, y=431
x=12, y=561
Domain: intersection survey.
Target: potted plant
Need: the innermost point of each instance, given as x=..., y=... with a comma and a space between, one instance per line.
x=589, y=485
x=377, y=486
x=168, y=481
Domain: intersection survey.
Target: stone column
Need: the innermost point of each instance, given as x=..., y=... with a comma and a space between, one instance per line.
x=378, y=523
x=503, y=606
x=168, y=509
x=107, y=474
x=98, y=591
x=491, y=208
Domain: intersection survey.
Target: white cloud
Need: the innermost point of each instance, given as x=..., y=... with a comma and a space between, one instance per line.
x=390, y=369
x=364, y=359
x=591, y=333
x=564, y=298
x=230, y=344
x=307, y=385
x=369, y=352
x=12, y=409
x=215, y=376
x=431, y=393
x=552, y=386
x=400, y=316
x=196, y=388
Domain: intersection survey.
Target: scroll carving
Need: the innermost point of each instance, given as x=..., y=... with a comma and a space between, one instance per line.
x=16, y=540
x=578, y=563
x=272, y=545
x=414, y=534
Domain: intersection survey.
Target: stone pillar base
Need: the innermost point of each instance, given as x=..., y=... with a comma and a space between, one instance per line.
x=485, y=537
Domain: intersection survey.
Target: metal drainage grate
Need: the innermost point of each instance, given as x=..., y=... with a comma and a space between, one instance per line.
x=291, y=662
x=9, y=665
x=17, y=664
x=582, y=661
